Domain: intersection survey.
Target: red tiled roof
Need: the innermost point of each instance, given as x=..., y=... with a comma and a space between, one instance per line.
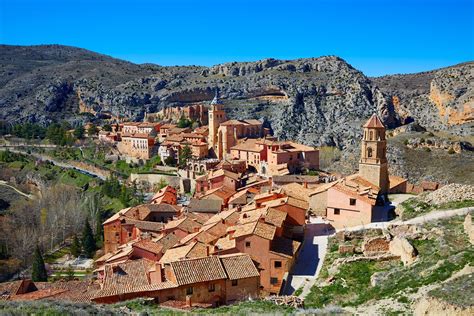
x=239, y=266
x=148, y=245
x=198, y=270
x=374, y=122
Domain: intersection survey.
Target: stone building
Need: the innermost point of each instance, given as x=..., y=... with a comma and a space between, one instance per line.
x=359, y=198
x=270, y=157
x=373, y=161
x=216, y=117
x=138, y=146
x=213, y=280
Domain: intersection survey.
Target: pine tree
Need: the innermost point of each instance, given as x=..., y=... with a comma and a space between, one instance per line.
x=38, y=273
x=88, y=240
x=76, y=247
x=185, y=155
x=79, y=132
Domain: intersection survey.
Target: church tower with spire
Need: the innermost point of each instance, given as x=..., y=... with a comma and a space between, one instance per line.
x=373, y=162
x=216, y=117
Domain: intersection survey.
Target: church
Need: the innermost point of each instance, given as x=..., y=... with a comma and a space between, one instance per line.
x=360, y=198
x=224, y=134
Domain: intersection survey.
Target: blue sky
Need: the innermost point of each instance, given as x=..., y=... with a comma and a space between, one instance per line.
x=376, y=36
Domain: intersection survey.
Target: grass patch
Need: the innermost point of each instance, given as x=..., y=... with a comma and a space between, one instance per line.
x=438, y=259
x=414, y=207
x=249, y=307
x=457, y=292
x=53, y=257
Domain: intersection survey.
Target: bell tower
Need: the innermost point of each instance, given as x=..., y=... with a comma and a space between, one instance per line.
x=216, y=117
x=373, y=161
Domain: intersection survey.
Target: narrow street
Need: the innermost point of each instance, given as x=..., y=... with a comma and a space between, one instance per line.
x=310, y=258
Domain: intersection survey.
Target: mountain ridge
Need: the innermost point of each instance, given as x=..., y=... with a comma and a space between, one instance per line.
x=317, y=101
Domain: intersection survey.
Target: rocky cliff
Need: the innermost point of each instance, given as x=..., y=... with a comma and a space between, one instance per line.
x=315, y=101
x=439, y=100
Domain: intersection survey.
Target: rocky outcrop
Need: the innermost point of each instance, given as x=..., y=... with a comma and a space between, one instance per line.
x=439, y=100
x=436, y=143
x=450, y=193
x=316, y=101
x=401, y=247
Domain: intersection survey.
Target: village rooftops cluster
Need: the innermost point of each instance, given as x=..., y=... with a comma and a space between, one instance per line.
x=241, y=232
x=242, y=140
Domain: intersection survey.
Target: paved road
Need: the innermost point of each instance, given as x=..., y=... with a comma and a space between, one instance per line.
x=310, y=258
x=434, y=215
x=57, y=163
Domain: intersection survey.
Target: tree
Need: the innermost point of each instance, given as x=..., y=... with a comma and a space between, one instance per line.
x=79, y=132
x=70, y=273
x=184, y=156
x=76, y=247
x=88, y=240
x=38, y=273
x=170, y=161
x=107, y=128
x=92, y=130
x=184, y=122
x=125, y=196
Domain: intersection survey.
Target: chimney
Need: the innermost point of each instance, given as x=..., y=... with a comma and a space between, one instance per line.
x=188, y=301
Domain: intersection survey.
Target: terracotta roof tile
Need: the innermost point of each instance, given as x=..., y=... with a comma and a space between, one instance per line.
x=198, y=270
x=374, y=122
x=125, y=277
x=205, y=205
x=239, y=266
x=224, y=243
x=148, y=245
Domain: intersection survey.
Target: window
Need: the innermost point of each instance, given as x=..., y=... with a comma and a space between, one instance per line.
x=273, y=281
x=337, y=211
x=189, y=290
x=352, y=201
x=369, y=152
x=277, y=264
x=247, y=244
x=235, y=282
x=129, y=234
x=212, y=287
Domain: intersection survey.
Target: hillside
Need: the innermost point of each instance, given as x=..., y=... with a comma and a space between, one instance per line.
x=439, y=100
x=301, y=99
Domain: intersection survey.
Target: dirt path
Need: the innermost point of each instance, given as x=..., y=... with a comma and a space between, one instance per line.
x=28, y=196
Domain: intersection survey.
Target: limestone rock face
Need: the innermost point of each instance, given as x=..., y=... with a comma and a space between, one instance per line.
x=440, y=100
x=400, y=246
x=315, y=101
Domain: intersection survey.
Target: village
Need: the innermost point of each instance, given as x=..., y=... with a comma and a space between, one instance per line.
x=233, y=223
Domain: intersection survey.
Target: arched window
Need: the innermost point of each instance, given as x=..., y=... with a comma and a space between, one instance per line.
x=371, y=134
x=369, y=152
